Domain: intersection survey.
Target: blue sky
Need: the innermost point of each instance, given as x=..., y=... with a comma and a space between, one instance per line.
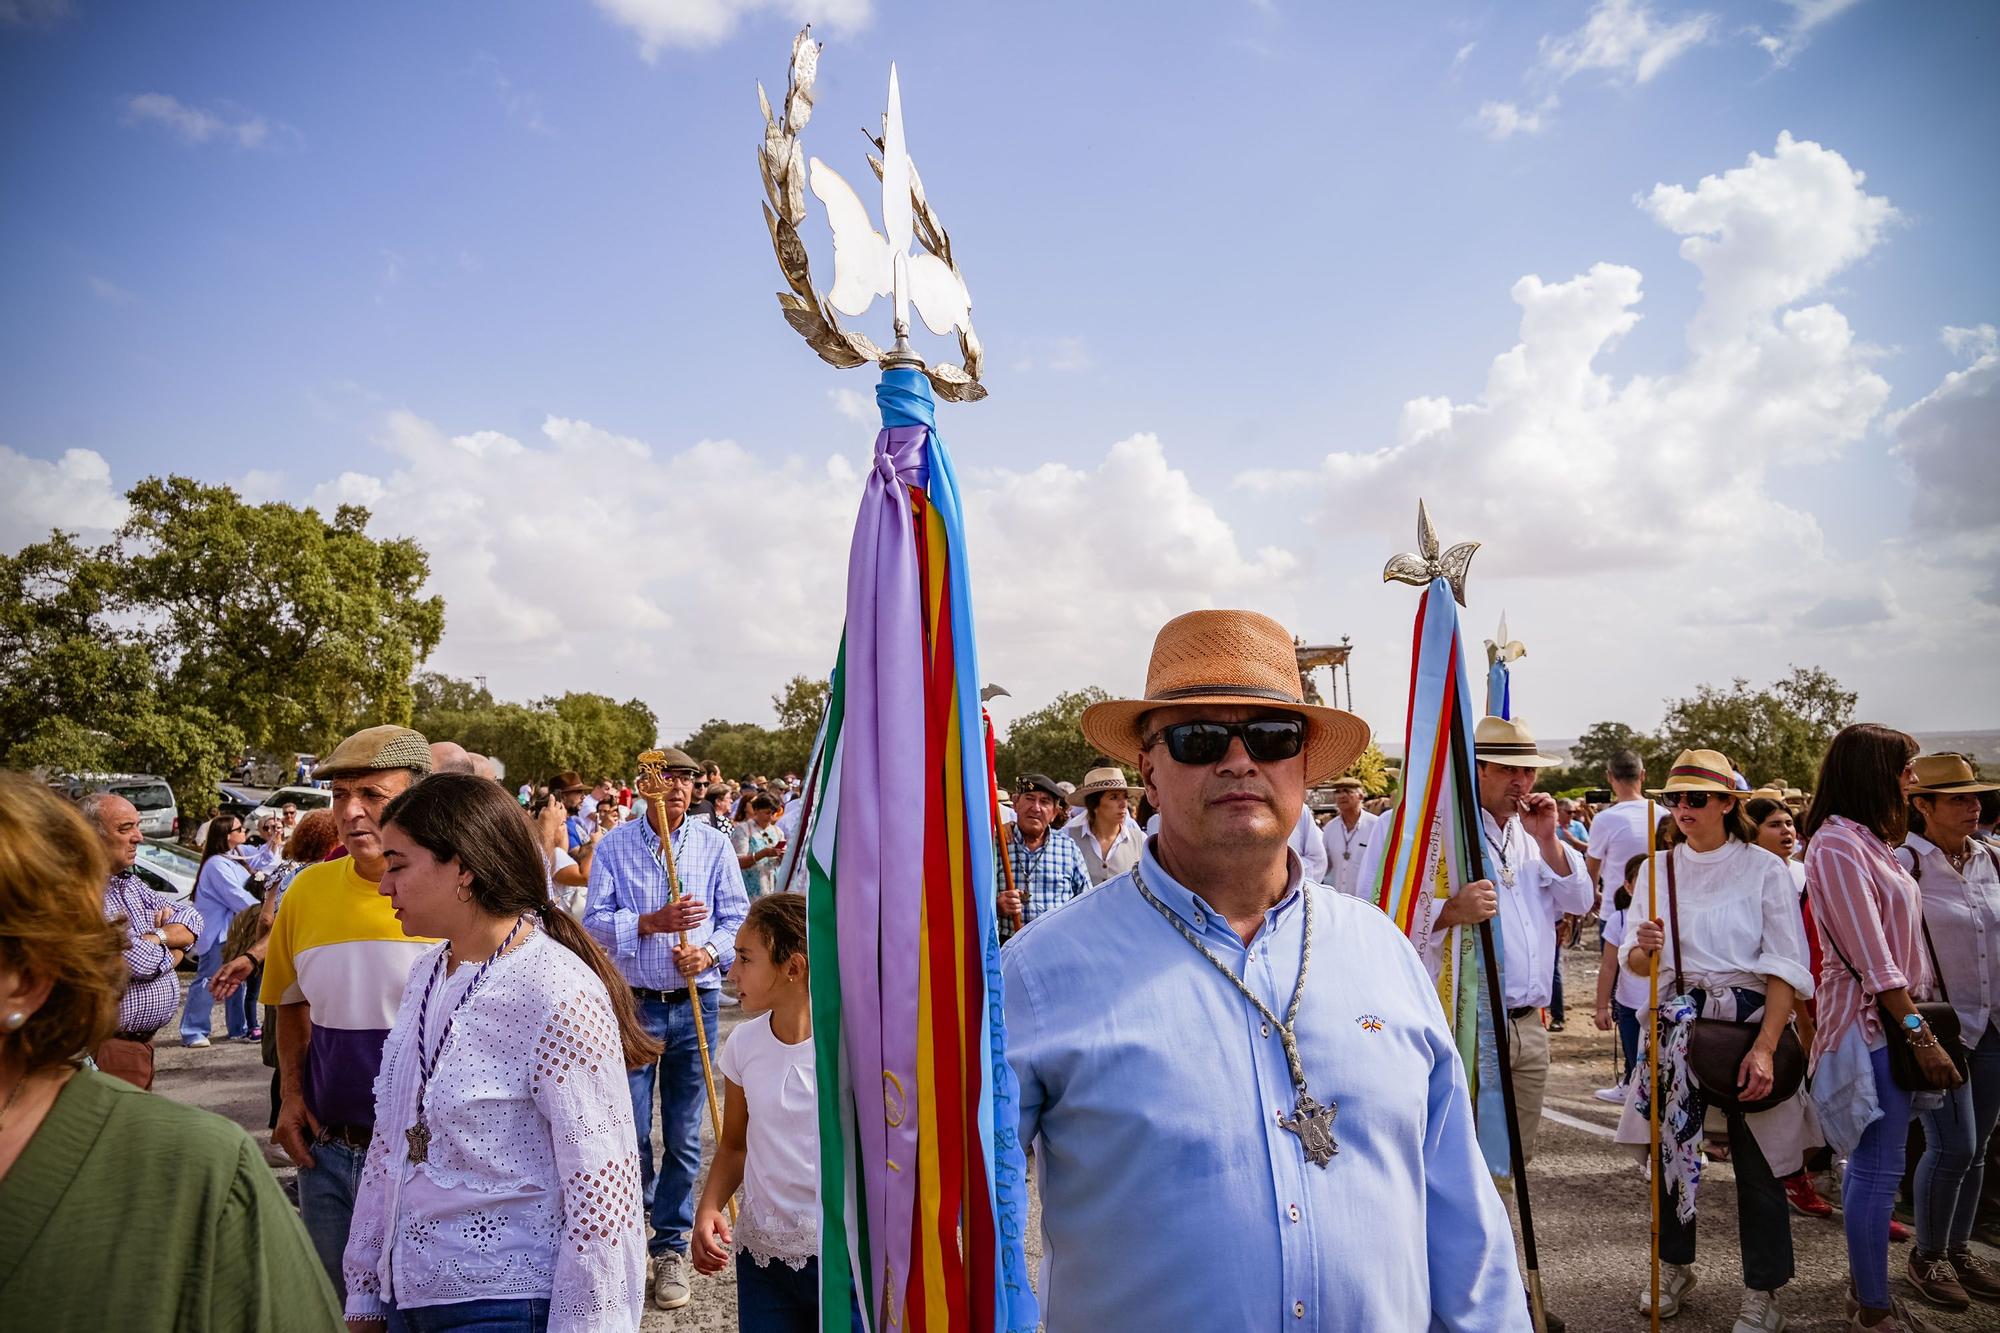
x=1247, y=277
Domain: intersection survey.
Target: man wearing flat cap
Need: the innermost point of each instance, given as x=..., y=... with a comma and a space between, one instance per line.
x=1045, y=870
x=672, y=951
x=335, y=969
x=1246, y=1108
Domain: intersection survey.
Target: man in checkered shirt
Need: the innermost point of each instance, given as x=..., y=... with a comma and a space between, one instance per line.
x=1048, y=869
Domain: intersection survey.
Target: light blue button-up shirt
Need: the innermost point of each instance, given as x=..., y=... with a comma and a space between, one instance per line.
x=1151, y=1090
x=626, y=882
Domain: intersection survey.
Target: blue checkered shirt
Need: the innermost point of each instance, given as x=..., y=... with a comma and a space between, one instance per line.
x=627, y=881
x=1047, y=876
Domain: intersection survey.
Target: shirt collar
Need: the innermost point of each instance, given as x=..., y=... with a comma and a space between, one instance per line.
x=1919, y=844
x=1196, y=911
x=1486, y=818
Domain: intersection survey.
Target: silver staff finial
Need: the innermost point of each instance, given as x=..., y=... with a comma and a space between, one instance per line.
x=1428, y=563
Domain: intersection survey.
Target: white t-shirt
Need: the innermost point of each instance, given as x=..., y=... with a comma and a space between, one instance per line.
x=1347, y=848
x=1631, y=989
x=780, y=1208
x=1617, y=834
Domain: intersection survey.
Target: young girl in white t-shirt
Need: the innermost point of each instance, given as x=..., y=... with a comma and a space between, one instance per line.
x=770, y=1132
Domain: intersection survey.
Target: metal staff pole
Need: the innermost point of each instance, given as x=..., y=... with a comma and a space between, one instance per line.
x=1474, y=835
x=1653, y=1051
x=694, y=1000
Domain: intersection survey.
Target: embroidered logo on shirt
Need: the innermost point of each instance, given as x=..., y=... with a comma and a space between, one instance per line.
x=1369, y=1023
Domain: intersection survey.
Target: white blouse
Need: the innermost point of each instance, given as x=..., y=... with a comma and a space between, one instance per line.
x=1739, y=921
x=781, y=1161
x=531, y=1185
x=1962, y=914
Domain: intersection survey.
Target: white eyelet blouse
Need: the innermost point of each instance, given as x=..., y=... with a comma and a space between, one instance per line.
x=531, y=1187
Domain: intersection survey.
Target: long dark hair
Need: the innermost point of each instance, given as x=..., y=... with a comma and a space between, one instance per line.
x=217, y=842
x=456, y=816
x=1860, y=779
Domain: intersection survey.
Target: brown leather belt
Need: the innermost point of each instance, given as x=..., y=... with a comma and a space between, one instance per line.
x=352, y=1136
x=661, y=996
x=1516, y=1015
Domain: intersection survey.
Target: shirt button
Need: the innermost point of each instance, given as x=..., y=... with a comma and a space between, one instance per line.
x=1292, y=1210
x=1267, y=1029
x=1200, y=920
x=1298, y=1309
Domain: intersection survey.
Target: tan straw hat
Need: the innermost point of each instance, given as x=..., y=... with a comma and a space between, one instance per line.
x=1947, y=775
x=1507, y=741
x=1103, y=779
x=1702, y=770
x=1227, y=657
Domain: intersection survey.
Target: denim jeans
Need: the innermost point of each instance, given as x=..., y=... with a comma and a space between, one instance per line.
x=683, y=1102
x=1626, y=1019
x=518, y=1315
x=1763, y=1218
x=1874, y=1170
x=198, y=1013
x=774, y=1298
x=1954, y=1162
x=326, y=1203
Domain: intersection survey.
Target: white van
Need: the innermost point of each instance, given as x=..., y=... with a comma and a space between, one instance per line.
x=150, y=795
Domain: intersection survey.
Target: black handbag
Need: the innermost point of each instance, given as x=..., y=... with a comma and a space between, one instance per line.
x=1717, y=1046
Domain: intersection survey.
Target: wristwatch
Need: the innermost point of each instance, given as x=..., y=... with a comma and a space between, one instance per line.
x=1913, y=1022
x=160, y=934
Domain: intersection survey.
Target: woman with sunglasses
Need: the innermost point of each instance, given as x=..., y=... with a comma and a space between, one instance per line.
x=1730, y=946
x=1870, y=918
x=220, y=892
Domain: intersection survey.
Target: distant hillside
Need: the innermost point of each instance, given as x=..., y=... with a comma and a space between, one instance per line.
x=1983, y=746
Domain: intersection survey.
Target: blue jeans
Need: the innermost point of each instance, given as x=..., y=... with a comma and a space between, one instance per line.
x=1953, y=1166
x=774, y=1298
x=519, y=1315
x=326, y=1204
x=1874, y=1171
x=198, y=1014
x=683, y=1103
x=1626, y=1019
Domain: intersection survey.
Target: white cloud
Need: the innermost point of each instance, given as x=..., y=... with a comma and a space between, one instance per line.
x=1624, y=39
x=1948, y=440
x=73, y=493
x=1063, y=355
x=522, y=107
x=663, y=24
x=1504, y=120
x=1464, y=54
x=108, y=291
x=855, y=406
x=1792, y=37
x=194, y=125
x=1976, y=341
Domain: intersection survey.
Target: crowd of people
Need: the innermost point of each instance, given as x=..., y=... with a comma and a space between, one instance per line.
x=476, y=1003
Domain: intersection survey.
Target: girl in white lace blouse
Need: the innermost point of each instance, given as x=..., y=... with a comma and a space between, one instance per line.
x=501, y=1188
x=770, y=1133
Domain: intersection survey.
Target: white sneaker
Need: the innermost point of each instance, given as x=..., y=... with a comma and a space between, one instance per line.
x=1761, y=1313
x=670, y=1281
x=1616, y=1096
x=198, y=1044
x=1676, y=1281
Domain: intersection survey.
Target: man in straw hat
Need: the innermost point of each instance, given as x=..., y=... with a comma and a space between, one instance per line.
x=1347, y=835
x=335, y=967
x=663, y=946
x=1247, y=1108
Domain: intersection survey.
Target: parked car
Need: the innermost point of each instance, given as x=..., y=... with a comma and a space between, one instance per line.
x=305, y=798
x=167, y=867
x=149, y=794
x=233, y=799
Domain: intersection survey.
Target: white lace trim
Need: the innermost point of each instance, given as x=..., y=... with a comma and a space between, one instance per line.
x=787, y=1238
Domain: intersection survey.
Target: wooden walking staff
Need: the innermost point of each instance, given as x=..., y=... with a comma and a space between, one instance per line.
x=653, y=786
x=1653, y=1050
x=1475, y=837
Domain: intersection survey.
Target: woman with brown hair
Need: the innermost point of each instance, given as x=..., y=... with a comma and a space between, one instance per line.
x=502, y=1181
x=118, y=1209
x=1870, y=919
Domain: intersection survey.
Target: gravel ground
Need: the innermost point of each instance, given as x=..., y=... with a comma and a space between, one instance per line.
x=1591, y=1215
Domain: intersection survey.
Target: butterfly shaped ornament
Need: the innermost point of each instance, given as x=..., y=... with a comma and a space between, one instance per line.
x=867, y=263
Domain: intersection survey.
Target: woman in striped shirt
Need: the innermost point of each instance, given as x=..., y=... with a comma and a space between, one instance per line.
x=1869, y=916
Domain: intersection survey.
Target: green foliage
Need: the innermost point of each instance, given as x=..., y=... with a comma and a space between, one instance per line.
x=590, y=733
x=1781, y=732
x=1050, y=740
x=1372, y=767
x=1593, y=751
x=743, y=748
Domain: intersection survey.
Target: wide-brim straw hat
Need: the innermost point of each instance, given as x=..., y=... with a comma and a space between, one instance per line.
x=1947, y=775
x=1227, y=657
x=1505, y=740
x=1702, y=770
x=1103, y=779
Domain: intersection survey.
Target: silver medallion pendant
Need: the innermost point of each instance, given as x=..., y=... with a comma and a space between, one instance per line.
x=1313, y=1124
x=419, y=1138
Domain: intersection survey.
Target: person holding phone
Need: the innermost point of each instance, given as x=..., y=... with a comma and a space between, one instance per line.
x=759, y=844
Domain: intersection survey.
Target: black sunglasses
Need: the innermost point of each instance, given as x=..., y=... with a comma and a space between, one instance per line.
x=1696, y=800
x=1266, y=739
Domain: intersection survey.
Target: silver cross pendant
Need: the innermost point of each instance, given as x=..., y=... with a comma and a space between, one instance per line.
x=1313, y=1124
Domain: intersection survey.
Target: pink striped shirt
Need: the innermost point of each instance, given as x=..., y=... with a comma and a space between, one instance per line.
x=1867, y=904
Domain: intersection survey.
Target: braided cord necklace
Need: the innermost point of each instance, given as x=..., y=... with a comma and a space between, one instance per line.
x=418, y=1135
x=1309, y=1121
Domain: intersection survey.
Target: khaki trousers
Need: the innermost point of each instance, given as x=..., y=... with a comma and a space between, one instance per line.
x=1528, y=1048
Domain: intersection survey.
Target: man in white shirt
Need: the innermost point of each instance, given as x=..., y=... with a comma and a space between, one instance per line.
x=1618, y=832
x=1540, y=880
x=1346, y=836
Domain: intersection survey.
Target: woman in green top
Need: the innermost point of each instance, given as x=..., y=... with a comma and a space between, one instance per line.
x=118, y=1208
